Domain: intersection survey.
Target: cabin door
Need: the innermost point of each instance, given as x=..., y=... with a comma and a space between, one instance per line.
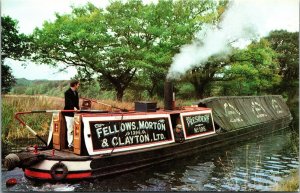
x=77, y=134
x=59, y=131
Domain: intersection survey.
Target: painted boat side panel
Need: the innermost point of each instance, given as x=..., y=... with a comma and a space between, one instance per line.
x=98, y=123
x=120, y=133
x=197, y=124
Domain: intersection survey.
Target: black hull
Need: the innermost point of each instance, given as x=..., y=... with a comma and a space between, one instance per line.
x=120, y=163
x=117, y=163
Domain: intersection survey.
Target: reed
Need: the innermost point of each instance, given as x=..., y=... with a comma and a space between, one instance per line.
x=11, y=104
x=288, y=184
x=11, y=129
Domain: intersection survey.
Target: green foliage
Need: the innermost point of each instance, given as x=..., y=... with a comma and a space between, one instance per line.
x=286, y=45
x=252, y=71
x=23, y=82
x=84, y=39
x=203, y=76
x=92, y=89
x=185, y=91
x=58, y=87
x=173, y=25
x=7, y=79
x=40, y=87
x=13, y=45
x=126, y=50
x=127, y=40
x=7, y=117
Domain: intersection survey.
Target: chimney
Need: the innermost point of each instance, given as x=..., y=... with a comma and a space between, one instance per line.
x=169, y=95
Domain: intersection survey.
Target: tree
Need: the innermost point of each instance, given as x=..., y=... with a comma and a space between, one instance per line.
x=173, y=25
x=15, y=46
x=286, y=45
x=124, y=41
x=252, y=71
x=104, y=44
x=201, y=77
x=7, y=79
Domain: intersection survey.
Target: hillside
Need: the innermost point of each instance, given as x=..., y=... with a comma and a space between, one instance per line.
x=44, y=87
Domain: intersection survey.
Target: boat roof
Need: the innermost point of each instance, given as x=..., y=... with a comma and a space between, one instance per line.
x=178, y=110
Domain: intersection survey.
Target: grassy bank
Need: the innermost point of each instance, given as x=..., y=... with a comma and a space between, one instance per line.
x=289, y=184
x=11, y=129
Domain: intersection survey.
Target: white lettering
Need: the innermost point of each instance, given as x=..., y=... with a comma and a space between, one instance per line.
x=197, y=119
x=105, y=131
x=114, y=141
x=99, y=132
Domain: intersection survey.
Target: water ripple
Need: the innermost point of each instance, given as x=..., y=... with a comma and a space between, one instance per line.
x=250, y=166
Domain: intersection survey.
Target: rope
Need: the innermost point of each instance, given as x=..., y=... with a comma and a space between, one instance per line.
x=118, y=133
x=96, y=101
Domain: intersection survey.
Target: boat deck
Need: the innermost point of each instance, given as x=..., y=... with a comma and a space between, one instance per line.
x=64, y=154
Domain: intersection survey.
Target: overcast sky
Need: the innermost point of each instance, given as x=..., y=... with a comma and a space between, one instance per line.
x=32, y=14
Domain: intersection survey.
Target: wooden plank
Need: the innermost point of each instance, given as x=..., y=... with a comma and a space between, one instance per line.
x=56, y=131
x=77, y=134
x=63, y=132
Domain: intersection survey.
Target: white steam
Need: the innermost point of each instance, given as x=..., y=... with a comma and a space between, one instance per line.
x=243, y=21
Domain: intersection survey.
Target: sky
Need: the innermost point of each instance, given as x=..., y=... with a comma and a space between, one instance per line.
x=32, y=14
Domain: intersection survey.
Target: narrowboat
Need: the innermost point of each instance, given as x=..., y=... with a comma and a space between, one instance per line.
x=113, y=142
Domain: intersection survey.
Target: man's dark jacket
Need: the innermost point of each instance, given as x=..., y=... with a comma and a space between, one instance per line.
x=71, y=101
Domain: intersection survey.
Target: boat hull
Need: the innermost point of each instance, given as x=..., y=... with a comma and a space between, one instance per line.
x=98, y=166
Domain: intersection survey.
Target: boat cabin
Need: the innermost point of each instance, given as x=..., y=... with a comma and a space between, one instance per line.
x=98, y=133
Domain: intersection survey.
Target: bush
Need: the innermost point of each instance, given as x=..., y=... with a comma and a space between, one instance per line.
x=186, y=91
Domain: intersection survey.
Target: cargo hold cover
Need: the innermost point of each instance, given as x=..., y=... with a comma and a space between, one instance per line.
x=235, y=112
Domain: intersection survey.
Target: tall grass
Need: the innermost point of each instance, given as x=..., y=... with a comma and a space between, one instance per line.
x=289, y=184
x=11, y=129
x=11, y=104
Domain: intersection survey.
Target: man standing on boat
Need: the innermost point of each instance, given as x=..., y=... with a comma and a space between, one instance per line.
x=71, y=103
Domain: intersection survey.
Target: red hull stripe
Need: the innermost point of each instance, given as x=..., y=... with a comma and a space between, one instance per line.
x=46, y=175
x=40, y=175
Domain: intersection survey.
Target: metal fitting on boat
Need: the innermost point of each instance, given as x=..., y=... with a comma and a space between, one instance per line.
x=11, y=161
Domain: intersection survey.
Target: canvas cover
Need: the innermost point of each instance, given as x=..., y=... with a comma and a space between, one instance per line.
x=235, y=112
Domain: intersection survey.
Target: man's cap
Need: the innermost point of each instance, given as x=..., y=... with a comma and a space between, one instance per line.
x=179, y=126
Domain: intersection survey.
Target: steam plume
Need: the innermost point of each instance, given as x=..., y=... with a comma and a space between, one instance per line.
x=243, y=21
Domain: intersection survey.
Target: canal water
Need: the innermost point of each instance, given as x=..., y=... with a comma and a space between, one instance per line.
x=254, y=165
